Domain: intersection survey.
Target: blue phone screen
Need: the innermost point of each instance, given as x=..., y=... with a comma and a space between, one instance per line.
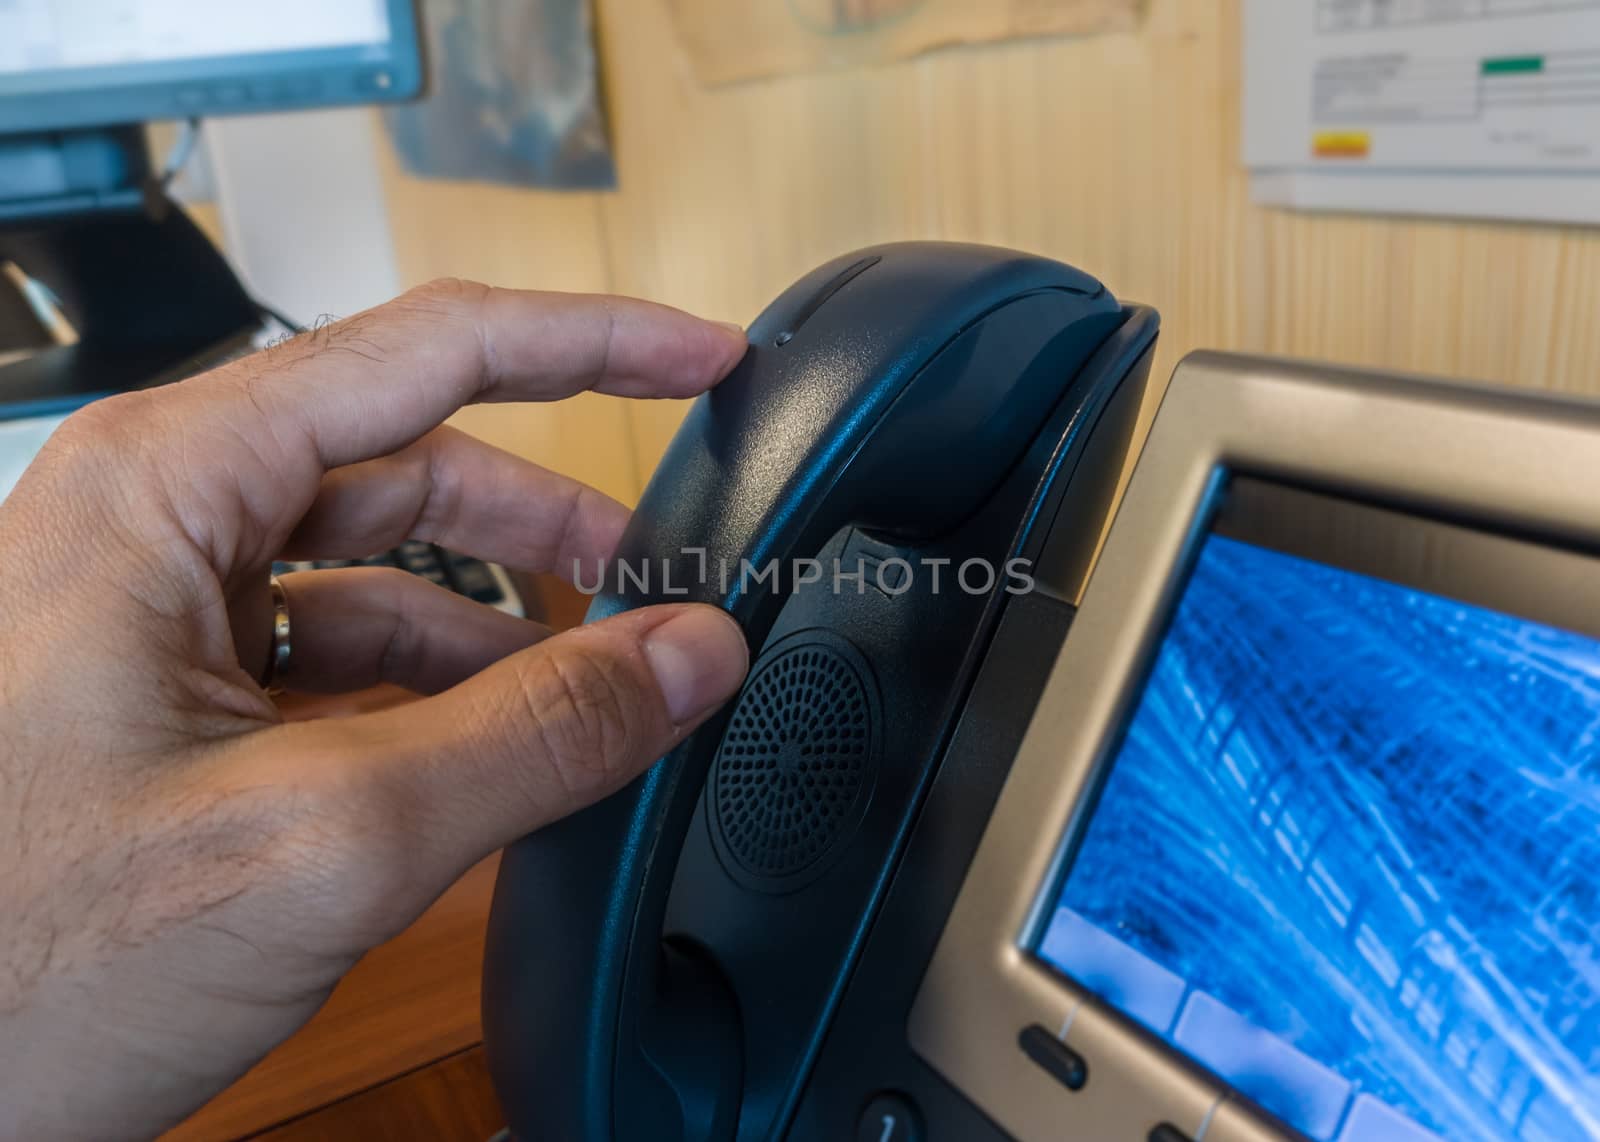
x=1347, y=856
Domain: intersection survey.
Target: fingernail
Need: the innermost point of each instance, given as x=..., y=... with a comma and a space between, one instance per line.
x=732, y=327
x=699, y=658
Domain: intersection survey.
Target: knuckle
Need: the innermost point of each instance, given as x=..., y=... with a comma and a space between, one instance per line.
x=450, y=311
x=388, y=587
x=104, y=468
x=585, y=714
x=447, y=294
x=119, y=421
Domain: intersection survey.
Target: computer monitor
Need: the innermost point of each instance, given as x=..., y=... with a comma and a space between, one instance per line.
x=1302, y=839
x=83, y=209
x=97, y=63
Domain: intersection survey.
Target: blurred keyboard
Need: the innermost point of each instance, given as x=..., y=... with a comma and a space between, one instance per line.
x=481, y=582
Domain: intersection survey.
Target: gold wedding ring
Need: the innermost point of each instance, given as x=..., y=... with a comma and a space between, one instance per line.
x=278, y=654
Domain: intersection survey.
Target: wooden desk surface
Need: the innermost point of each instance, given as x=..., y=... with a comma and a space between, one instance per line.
x=408, y=1005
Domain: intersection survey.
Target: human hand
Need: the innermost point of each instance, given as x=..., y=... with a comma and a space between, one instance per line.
x=183, y=875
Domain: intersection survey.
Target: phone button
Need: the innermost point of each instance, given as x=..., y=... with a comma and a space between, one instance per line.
x=889, y=1117
x=1166, y=1132
x=1065, y=1065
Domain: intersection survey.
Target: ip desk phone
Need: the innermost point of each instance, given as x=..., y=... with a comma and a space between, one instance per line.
x=1284, y=824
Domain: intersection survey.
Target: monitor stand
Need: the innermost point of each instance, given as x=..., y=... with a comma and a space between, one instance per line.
x=147, y=293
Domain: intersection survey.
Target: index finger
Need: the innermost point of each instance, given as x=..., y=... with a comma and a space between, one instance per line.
x=267, y=428
x=373, y=383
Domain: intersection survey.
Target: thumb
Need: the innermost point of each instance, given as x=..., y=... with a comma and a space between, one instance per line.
x=558, y=726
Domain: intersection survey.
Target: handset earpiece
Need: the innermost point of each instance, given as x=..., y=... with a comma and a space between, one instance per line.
x=890, y=391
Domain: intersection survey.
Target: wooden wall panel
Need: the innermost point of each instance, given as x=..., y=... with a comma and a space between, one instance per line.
x=729, y=194
x=524, y=240
x=1118, y=153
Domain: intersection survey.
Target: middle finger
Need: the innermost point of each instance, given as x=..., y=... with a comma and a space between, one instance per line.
x=455, y=490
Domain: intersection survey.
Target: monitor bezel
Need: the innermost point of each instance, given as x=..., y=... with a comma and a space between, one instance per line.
x=276, y=81
x=1514, y=462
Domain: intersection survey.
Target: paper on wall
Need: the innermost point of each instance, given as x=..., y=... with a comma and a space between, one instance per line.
x=1457, y=107
x=748, y=39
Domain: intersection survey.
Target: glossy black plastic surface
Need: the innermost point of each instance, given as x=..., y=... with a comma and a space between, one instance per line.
x=1071, y=469
x=930, y=400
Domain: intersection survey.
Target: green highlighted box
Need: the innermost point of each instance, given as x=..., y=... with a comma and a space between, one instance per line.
x=1513, y=65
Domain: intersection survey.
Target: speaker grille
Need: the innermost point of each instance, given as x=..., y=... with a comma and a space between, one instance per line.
x=796, y=761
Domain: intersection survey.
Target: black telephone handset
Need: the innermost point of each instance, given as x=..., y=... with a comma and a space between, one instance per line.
x=663, y=965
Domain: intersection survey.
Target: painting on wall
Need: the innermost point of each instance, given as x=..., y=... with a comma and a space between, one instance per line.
x=513, y=97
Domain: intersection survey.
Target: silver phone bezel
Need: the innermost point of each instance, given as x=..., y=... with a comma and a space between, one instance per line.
x=1515, y=460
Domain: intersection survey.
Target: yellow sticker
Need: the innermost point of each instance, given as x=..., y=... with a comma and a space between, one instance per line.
x=1341, y=144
